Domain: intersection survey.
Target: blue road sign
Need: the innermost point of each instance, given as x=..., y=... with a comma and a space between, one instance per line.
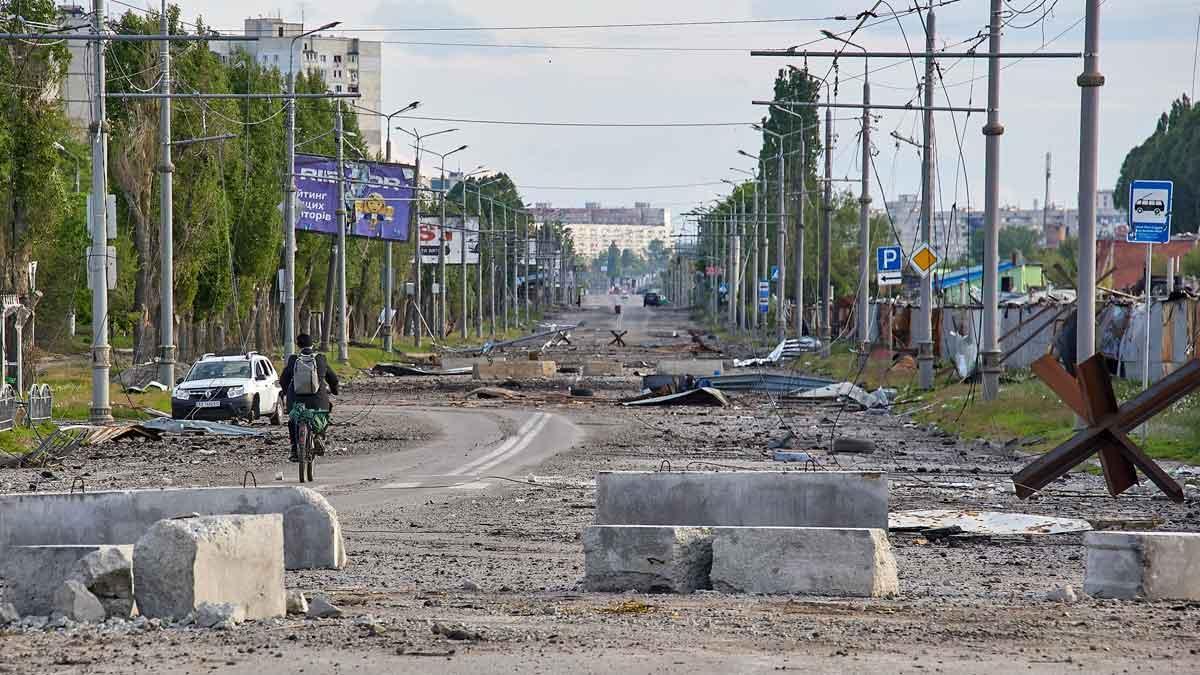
x=724, y=288
x=1150, y=211
x=889, y=261
x=764, y=297
x=774, y=272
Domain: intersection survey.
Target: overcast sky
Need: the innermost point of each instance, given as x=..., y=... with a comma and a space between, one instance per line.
x=1146, y=55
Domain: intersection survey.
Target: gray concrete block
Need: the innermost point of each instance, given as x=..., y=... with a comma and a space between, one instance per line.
x=647, y=559
x=35, y=573
x=312, y=533
x=743, y=498
x=693, y=367
x=516, y=370
x=855, y=562
x=603, y=369
x=76, y=602
x=108, y=574
x=181, y=564
x=1147, y=565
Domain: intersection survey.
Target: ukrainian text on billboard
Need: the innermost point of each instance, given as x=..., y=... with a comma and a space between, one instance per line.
x=378, y=197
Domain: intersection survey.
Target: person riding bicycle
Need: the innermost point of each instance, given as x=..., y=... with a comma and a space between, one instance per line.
x=307, y=379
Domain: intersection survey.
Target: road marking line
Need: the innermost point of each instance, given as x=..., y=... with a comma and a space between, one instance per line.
x=502, y=448
x=516, y=449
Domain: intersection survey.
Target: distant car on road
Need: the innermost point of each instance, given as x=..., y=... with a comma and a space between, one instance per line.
x=243, y=386
x=651, y=300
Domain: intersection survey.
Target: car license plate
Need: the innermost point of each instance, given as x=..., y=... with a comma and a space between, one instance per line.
x=208, y=404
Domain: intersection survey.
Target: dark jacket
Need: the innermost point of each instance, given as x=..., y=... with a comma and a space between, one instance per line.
x=326, y=376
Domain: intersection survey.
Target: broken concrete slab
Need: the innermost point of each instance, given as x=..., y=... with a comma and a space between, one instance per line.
x=322, y=608
x=74, y=601
x=1145, y=565
x=182, y=564
x=35, y=573
x=855, y=562
x=220, y=615
x=518, y=370
x=108, y=574
x=296, y=602
x=646, y=558
x=603, y=369
x=983, y=522
x=743, y=498
x=8, y=613
x=693, y=367
x=312, y=532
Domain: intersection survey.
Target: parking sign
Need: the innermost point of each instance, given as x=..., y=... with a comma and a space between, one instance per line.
x=1150, y=211
x=888, y=263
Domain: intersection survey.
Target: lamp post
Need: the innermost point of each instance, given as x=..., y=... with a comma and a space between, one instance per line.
x=289, y=201
x=752, y=275
x=462, y=249
x=416, y=221
x=781, y=234
x=442, y=241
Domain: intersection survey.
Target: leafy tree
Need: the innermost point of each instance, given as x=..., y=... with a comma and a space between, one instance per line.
x=1172, y=152
x=614, y=262
x=1012, y=239
x=657, y=255
x=1189, y=265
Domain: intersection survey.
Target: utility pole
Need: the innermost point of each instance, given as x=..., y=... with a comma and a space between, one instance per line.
x=166, y=328
x=798, y=320
x=415, y=226
x=924, y=326
x=525, y=216
x=864, y=232
x=504, y=297
x=1046, y=201
x=479, y=265
x=462, y=262
x=735, y=263
x=343, y=329
x=1089, y=149
x=441, y=299
x=826, y=233
x=780, y=246
x=101, y=411
x=990, y=348
x=754, y=258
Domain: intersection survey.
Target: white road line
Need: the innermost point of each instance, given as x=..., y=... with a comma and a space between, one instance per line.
x=503, y=448
x=521, y=445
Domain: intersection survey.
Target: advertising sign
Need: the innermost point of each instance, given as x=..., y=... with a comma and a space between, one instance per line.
x=452, y=240
x=378, y=197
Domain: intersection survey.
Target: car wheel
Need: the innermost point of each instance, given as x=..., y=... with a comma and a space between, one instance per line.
x=277, y=413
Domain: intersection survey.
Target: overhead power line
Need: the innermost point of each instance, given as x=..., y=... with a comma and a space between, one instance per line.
x=579, y=124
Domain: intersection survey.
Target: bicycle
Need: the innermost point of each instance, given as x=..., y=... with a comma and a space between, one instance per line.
x=310, y=424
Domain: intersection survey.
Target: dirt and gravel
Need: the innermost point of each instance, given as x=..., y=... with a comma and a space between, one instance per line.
x=489, y=580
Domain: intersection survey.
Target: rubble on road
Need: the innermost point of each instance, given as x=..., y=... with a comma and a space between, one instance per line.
x=200, y=427
x=790, y=348
x=404, y=370
x=296, y=602
x=321, y=608
x=881, y=398
x=703, y=396
x=983, y=522
x=74, y=601
x=779, y=384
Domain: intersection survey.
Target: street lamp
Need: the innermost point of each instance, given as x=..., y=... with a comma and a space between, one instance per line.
x=289, y=201
x=442, y=239
x=417, y=220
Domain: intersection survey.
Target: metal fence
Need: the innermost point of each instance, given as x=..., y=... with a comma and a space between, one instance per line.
x=40, y=405
x=8, y=407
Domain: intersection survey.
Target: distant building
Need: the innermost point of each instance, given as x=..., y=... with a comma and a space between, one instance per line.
x=349, y=65
x=964, y=286
x=594, y=227
x=950, y=236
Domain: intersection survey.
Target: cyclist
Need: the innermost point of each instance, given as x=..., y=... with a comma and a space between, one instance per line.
x=307, y=379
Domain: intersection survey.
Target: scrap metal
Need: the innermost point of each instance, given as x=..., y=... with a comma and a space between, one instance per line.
x=703, y=396
x=772, y=383
x=1090, y=395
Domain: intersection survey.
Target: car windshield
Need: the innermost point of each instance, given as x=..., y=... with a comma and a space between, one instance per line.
x=219, y=369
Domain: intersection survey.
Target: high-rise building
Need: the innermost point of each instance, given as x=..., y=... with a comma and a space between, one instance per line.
x=348, y=65
x=595, y=228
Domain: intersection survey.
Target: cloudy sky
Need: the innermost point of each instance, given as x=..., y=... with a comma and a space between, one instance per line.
x=703, y=73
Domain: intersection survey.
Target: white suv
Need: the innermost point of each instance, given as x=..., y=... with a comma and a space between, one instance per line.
x=245, y=387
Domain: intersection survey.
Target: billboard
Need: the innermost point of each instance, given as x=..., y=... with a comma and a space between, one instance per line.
x=378, y=197
x=452, y=240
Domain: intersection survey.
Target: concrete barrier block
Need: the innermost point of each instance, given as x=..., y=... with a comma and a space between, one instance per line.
x=647, y=559
x=603, y=369
x=108, y=574
x=77, y=603
x=743, y=498
x=1146, y=565
x=854, y=562
x=35, y=573
x=312, y=532
x=693, y=367
x=180, y=564
x=515, y=370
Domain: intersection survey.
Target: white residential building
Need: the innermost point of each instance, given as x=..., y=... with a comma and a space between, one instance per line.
x=348, y=64
x=595, y=228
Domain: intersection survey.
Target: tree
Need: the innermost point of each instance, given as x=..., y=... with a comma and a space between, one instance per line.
x=1190, y=264
x=1012, y=239
x=1172, y=152
x=657, y=255
x=614, y=262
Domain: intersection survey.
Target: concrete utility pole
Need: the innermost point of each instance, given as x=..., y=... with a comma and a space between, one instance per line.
x=1089, y=149
x=923, y=328
x=100, y=411
x=343, y=329
x=990, y=347
x=826, y=233
x=525, y=253
x=798, y=320
x=755, y=261
x=504, y=298
x=781, y=246
x=1046, y=201
x=479, y=267
x=734, y=281
x=166, y=327
x=864, y=233
x=462, y=263
x=415, y=226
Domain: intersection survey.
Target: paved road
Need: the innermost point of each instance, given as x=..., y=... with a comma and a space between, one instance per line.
x=471, y=445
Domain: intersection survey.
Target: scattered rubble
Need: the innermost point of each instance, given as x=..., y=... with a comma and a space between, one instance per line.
x=320, y=608
x=296, y=602
x=74, y=601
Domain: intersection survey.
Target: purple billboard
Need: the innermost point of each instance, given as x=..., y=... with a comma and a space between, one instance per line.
x=378, y=197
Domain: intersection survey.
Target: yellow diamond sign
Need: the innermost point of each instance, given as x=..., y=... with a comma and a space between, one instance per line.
x=923, y=260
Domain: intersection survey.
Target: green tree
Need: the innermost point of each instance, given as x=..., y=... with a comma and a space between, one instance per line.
x=1190, y=264
x=1172, y=152
x=657, y=255
x=614, y=262
x=1012, y=239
